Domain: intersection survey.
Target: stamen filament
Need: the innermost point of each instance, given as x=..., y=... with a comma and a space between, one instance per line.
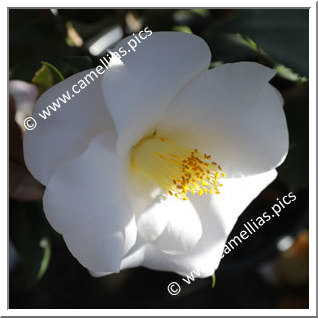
x=176, y=169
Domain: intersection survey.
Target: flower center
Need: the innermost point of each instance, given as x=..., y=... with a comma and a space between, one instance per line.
x=176, y=169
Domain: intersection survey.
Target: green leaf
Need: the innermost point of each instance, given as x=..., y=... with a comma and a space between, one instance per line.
x=45, y=244
x=55, y=72
x=213, y=281
x=228, y=48
x=47, y=76
x=288, y=74
x=182, y=28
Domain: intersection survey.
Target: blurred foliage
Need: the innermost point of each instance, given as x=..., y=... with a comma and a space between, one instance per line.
x=77, y=64
x=29, y=232
x=277, y=38
x=35, y=36
x=88, y=25
x=295, y=170
x=280, y=35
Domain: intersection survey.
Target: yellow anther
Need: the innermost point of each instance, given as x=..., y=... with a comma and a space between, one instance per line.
x=176, y=169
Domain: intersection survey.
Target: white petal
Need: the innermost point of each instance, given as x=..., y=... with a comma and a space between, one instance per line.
x=139, y=91
x=218, y=215
x=171, y=224
x=233, y=114
x=151, y=223
x=86, y=201
x=24, y=95
x=99, y=274
x=67, y=132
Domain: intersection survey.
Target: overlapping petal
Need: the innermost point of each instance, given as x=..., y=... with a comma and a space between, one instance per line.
x=173, y=227
x=86, y=201
x=67, y=132
x=232, y=113
x=138, y=91
x=218, y=215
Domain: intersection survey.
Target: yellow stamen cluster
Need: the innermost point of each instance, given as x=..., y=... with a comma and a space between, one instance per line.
x=176, y=169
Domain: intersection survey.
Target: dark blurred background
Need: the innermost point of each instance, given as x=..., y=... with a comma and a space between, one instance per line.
x=269, y=270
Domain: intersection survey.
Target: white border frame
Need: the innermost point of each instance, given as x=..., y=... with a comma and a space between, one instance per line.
x=312, y=163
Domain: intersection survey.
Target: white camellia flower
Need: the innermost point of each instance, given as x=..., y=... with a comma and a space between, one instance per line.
x=152, y=164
